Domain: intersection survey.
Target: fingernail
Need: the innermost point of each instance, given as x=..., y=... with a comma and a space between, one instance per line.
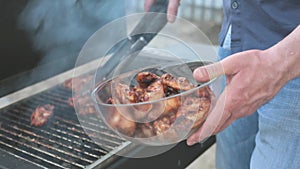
x=199, y=74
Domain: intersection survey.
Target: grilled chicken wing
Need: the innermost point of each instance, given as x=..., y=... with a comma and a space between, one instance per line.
x=41, y=115
x=194, y=109
x=162, y=124
x=146, y=78
x=180, y=83
x=154, y=91
x=123, y=94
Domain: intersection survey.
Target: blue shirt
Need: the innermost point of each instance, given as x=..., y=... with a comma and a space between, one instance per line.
x=258, y=24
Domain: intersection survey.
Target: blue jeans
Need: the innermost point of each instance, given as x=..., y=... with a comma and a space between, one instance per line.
x=267, y=139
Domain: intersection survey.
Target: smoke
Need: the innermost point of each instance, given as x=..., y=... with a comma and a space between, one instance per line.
x=59, y=28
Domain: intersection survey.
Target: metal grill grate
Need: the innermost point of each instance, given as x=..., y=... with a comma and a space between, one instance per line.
x=61, y=142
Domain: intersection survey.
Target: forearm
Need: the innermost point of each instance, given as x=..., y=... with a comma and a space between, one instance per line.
x=286, y=54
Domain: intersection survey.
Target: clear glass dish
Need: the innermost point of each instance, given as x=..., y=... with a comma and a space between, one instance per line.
x=163, y=121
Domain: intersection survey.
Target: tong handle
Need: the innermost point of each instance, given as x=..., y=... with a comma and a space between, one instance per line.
x=159, y=6
x=152, y=22
x=147, y=28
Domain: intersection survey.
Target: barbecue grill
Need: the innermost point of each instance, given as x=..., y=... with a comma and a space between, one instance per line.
x=63, y=143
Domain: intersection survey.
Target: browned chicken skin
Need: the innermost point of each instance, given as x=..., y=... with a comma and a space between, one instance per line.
x=154, y=91
x=162, y=124
x=41, y=115
x=180, y=83
x=146, y=78
x=194, y=109
x=123, y=94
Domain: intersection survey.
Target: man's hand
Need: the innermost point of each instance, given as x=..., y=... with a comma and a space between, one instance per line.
x=253, y=78
x=172, y=8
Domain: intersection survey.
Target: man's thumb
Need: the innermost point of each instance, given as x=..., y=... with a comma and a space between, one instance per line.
x=208, y=72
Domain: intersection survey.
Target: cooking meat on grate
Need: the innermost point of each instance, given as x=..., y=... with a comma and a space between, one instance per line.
x=84, y=104
x=41, y=115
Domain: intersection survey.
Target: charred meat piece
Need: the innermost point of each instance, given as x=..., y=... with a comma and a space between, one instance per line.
x=161, y=125
x=205, y=92
x=154, y=91
x=122, y=93
x=41, y=115
x=110, y=101
x=125, y=95
x=180, y=83
x=146, y=78
x=169, y=91
x=194, y=109
x=138, y=92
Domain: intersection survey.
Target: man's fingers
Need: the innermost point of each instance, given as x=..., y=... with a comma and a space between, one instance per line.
x=228, y=66
x=208, y=72
x=148, y=4
x=172, y=10
x=225, y=125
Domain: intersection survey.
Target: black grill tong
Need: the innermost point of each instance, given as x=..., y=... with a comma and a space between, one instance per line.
x=147, y=28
